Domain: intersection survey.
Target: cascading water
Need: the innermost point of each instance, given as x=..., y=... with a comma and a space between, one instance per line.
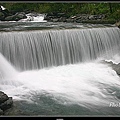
x=40, y=49
x=59, y=71
x=34, y=18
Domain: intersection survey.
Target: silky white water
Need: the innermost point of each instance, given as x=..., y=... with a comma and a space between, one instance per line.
x=30, y=50
x=63, y=65
x=85, y=84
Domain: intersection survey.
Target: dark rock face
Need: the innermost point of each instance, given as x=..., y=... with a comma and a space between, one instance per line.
x=5, y=102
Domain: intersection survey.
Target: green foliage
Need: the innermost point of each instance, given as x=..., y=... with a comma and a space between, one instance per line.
x=112, y=10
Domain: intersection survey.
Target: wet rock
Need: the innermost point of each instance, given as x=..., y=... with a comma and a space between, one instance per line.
x=56, y=17
x=10, y=18
x=3, y=97
x=7, y=104
x=16, y=17
x=20, y=15
x=7, y=107
x=79, y=18
x=115, y=67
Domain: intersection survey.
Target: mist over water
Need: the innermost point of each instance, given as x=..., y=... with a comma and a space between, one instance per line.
x=63, y=68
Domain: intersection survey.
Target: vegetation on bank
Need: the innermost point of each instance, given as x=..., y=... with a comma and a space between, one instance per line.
x=111, y=10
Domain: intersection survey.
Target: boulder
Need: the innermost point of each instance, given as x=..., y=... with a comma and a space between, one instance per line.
x=16, y=17
x=7, y=104
x=19, y=16
x=116, y=67
x=55, y=17
x=10, y=18
x=3, y=97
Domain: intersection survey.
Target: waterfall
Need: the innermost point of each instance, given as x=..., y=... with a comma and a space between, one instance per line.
x=6, y=69
x=29, y=50
x=75, y=75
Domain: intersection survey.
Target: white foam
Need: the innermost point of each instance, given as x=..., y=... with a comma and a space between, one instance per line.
x=3, y=8
x=84, y=84
x=39, y=18
x=115, y=59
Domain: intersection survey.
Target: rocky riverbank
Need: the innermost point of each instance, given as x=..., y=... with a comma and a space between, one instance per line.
x=6, y=15
x=79, y=18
